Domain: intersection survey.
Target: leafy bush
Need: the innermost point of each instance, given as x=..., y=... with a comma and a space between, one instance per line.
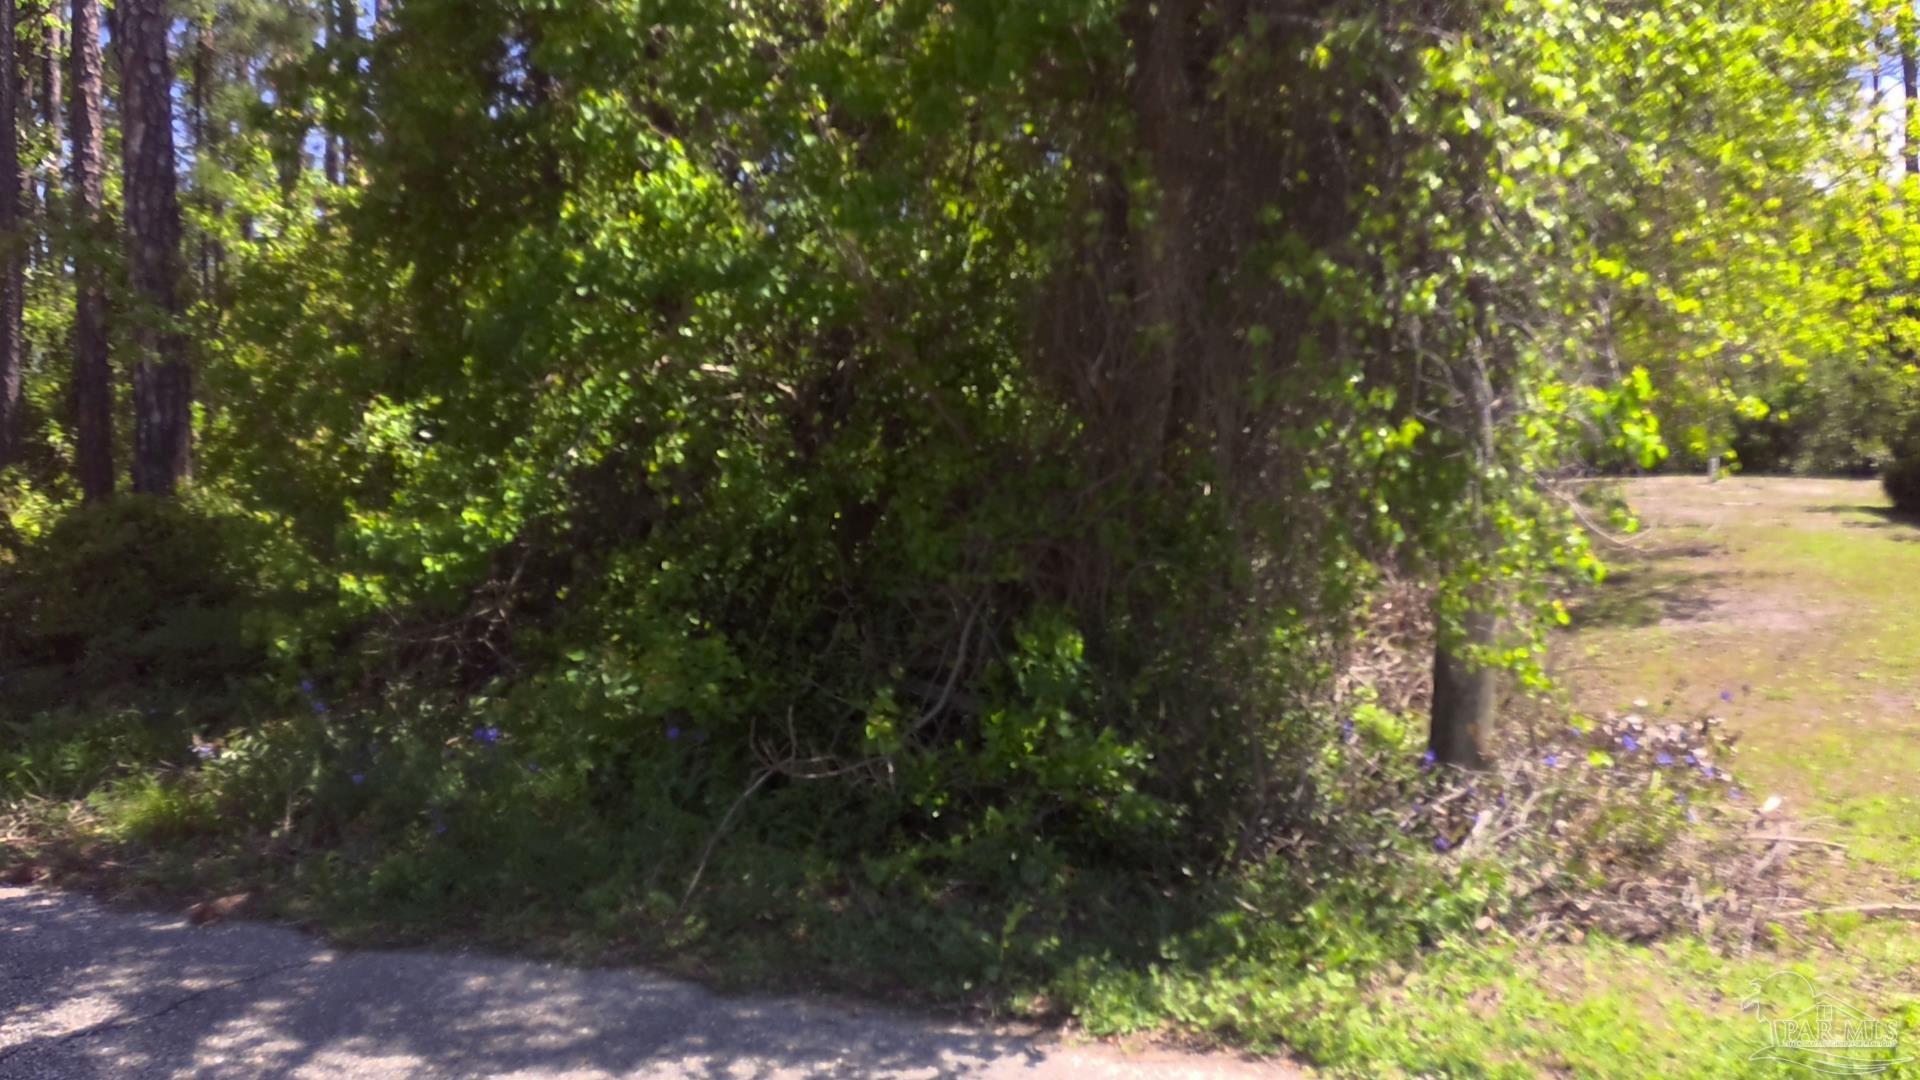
x=138, y=592
x=1901, y=479
x=1900, y=475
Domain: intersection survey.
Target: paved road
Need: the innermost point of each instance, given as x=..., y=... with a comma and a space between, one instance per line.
x=89, y=992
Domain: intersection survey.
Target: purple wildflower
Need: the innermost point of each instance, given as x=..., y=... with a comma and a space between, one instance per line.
x=1663, y=758
x=1726, y=695
x=1427, y=759
x=1629, y=742
x=1552, y=761
x=1692, y=759
x=357, y=779
x=1346, y=730
x=673, y=731
x=1733, y=793
x=487, y=735
x=1441, y=843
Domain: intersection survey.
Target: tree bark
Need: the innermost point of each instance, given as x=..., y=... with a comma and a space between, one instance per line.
x=12, y=238
x=1464, y=694
x=92, y=373
x=1465, y=689
x=162, y=382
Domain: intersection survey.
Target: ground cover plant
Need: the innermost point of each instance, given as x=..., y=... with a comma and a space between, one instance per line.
x=1068, y=507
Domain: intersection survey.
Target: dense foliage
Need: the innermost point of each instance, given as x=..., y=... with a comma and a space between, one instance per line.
x=924, y=460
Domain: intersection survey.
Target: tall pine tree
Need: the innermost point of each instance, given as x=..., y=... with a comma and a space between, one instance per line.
x=92, y=373
x=12, y=236
x=162, y=380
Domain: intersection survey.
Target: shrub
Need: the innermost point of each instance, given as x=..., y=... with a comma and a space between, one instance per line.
x=1902, y=483
x=137, y=591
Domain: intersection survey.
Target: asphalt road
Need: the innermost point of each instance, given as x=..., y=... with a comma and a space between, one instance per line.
x=90, y=992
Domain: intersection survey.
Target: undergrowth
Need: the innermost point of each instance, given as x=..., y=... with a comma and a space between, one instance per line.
x=650, y=800
x=349, y=819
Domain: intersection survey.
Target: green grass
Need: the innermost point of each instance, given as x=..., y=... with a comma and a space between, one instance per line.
x=1803, y=599
x=1479, y=1006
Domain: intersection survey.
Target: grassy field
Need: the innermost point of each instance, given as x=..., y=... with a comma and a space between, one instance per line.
x=1792, y=609
x=1800, y=598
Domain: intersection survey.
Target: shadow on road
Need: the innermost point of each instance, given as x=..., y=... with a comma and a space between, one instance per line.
x=86, y=992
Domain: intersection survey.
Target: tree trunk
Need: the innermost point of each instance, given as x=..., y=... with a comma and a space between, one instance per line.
x=346, y=33
x=53, y=45
x=162, y=383
x=12, y=238
x=204, y=140
x=43, y=196
x=92, y=374
x=1464, y=694
x=1878, y=146
x=329, y=146
x=1910, y=82
x=1461, y=726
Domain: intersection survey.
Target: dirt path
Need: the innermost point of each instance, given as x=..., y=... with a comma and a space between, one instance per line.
x=86, y=992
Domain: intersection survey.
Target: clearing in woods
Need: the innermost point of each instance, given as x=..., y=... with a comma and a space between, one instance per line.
x=1791, y=608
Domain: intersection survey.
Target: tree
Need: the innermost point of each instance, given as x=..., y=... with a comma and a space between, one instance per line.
x=12, y=239
x=1910, y=83
x=92, y=372
x=53, y=46
x=343, y=36
x=162, y=380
